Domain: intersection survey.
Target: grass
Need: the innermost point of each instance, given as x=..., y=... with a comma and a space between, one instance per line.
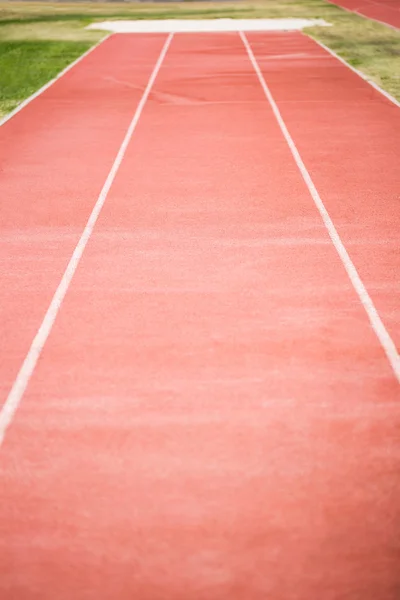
x=38, y=39
x=27, y=65
x=372, y=48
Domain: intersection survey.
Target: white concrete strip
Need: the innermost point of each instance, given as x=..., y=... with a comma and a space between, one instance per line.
x=204, y=25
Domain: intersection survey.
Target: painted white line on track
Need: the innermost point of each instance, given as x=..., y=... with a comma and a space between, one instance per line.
x=359, y=73
x=382, y=4
x=355, y=11
x=376, y=20
x=28, y=366
x=376, y=322
x=50, y=83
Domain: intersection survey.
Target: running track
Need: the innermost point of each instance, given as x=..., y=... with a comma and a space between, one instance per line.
x=212, y=415
x=384, y=11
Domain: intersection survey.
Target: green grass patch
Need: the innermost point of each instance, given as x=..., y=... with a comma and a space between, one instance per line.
x=27, y=65
x=38, y=39
x=368, y=46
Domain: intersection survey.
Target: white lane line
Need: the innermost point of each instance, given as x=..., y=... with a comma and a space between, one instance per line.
x=355, y=11
x=28, y=366
x=383, y=5
x=359, y=73
x=50, y=83
x=376, y=20
x=374, y=318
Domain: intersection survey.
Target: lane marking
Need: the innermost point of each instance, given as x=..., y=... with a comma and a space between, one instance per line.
x=355, y=11
x=383, y=5
x=50, y=83
x=28, y=366
x=374, y=318
x=359, y=73
x=376, y=20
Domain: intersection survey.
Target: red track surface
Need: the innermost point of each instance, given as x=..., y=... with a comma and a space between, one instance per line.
x=385, y=11
x=212, y=416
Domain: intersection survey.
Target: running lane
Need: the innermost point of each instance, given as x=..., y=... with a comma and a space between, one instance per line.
x=212, y=416
x=349, y=137
x=384, y=11
x=54, y=158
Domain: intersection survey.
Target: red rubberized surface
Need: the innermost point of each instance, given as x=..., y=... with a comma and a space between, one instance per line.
x=54, y=157
x=212, y=416
x=385, y=11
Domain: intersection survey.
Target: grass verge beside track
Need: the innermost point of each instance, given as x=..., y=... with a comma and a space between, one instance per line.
x=27, y=65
